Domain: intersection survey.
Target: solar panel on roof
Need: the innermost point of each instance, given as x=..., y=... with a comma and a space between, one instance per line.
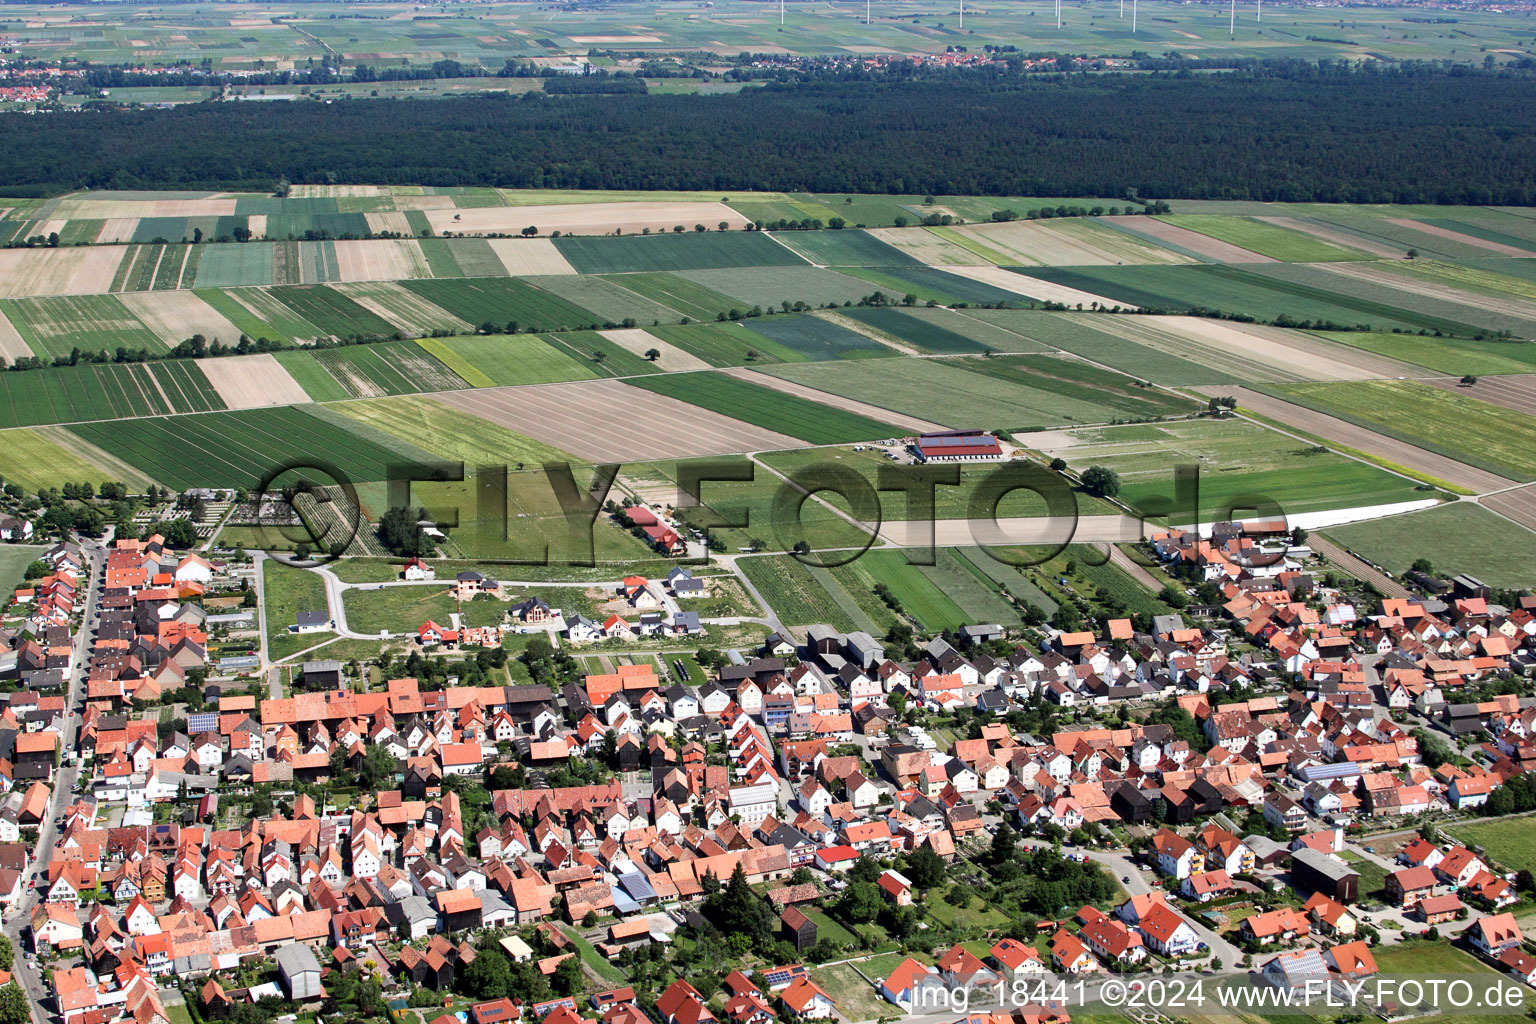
x=202, y=721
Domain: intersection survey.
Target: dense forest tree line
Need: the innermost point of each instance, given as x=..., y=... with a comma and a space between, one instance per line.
x=1290, y=132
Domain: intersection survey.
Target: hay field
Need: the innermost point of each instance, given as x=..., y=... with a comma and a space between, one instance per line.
x=250, y=381
x=584, y=218
x=530, y=257
x=1071, y=242
x=176, y=316
x=402, y=307
x=380, y=259
x=606, y=420
x=639, y=342
x=83, y=270
x=1271, y=352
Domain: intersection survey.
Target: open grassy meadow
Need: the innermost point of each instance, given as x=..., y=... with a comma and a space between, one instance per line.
x=1478, y=433
x=1510, y=843
x=1456, y=538
x=1235, y=458
x=14, y=559
x=286, y=591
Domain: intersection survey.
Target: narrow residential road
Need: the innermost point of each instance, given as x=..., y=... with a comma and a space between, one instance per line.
x=1121, y=865
x=63, y=781
x=1352, y=565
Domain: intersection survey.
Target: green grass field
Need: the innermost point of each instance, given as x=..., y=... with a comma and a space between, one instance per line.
x=771, y=287
x=14, y=559
x=1453, y=356
x=727, y=344
x=1081, y=382
x=318, y=382
x=799, y=417
x=501, y=302
x=35, y=459
x=690, y=298
x=506, y=359
x=815, y=338
x=332, y=312
x=1250, y=290
x=446, y=432
x=845, y=249
x=687, y=251
x=1013, y=396
x=103, y=391
x=286, y=591
x=1265, y=239
x=1234, y=458
x=933, y=607
x=56, y=325
x=1510, y=842
x=600, y=356
x=1456, y=538
x=792, y=592
x=921, y=332
x=402, y=609
x=258, y=314
x=930, y=285
x=234, y=266
x=386, y=368
x=239, y=449
x=1091, y=336
x=1455, y=425
x=606, y=298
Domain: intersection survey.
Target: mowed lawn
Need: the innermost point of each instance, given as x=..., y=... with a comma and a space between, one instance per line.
x=1455, y=425
x=403, y=609
x=789, y=414
x=1510, y=841
x=1457, y=538
x=14, y=559
x=286, y=592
